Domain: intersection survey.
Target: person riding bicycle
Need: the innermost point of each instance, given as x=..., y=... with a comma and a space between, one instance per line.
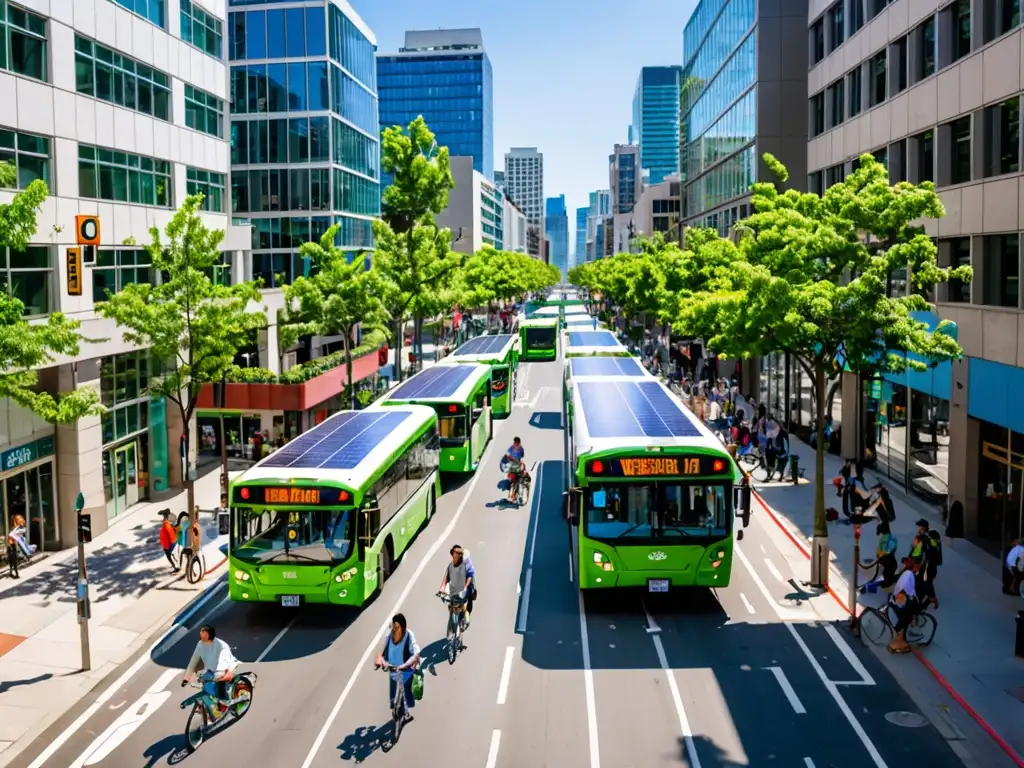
x=905, y=603
x=219, y=665
x=401, y=652
x=459, y=577
x=516, y=466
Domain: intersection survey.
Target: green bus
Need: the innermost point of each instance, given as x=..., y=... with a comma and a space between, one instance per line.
x=588, y=367
x=584, y=323
x=583, y=343
x=653, y=493
x=460, y=394
x=539, y=338
x=325, y=518
x=501, y=352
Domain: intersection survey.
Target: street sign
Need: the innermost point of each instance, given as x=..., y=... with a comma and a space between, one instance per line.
x=74, y=265
x=84, y=527
x=87, y=229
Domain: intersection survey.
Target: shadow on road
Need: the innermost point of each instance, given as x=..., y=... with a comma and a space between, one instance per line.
x=546, y=420
x=6, y=685
x=364, y=741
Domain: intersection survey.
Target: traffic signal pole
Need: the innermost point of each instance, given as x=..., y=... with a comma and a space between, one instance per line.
x=84, y=610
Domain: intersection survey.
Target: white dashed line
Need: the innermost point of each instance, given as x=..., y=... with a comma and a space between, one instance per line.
x=506, y=672
x=787, y=689
x=746, y=603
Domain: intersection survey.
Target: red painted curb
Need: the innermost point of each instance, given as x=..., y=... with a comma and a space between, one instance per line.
x=999, y=740
x=214, y=568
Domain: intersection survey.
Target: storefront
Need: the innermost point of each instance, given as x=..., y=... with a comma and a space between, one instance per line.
x=1000, y=479
x=125, y=427
x=787, y=391
x=27, y=490
x=241, y=427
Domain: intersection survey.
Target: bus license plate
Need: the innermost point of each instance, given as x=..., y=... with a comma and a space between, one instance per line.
x=657, y=585
x=292, y=601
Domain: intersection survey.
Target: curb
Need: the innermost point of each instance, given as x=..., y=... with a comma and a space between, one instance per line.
x=992, y=733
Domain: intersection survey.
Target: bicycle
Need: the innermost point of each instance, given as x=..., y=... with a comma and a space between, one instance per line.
x=456, y=623
x=876, y=626
x=399, y=707
x=202, y=718
x=521, y=490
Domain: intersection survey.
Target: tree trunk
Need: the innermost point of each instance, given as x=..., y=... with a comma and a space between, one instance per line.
x=190, y=490
x=819, y=548
x=348, y=372
x=398, y=350
x=417, y=333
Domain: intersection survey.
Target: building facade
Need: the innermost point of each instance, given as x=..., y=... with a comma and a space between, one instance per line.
x=657, y=210
x=579, y=255
x=476, y=209
x=933, y=90
x=445, y=76
x=740, y=88
x=656, y=121
x=524, y=181
x=515, y=227
x=499, y=180
x=626, y=180
x=600, y=206
x=556, y=228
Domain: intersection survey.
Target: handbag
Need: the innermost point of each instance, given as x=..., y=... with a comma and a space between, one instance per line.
x=417, y=685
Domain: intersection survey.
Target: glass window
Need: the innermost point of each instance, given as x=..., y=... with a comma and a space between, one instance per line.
x=1001, y=271
x=877, y=67
x=354, y=194
x=296, y=33
x=899, y=61
x=836, y=25
x=817, y=114
x=28, y=154
x=959, y=256
x=203, y=30
x=1002, y=150
x=836, y=98
x=236, y=36
x=959, y=15
x=117, y=267
x=350, y=48
x=817, y=41
x=204, y=112
x=256, y=35
x=107, y=75
x=153, y=10
x=107, y=174
x=663, y=510
x=856, y=16
x=23, y=45
x=1000, y=17
x=319, y=86
x=124, y=382
x=925, y=143
x=924, y=64
x=960, y=150
x=209, y=184
x=275, y=35
x=297, y=87
x=28, y=276
x=316, y=32
x=816, y=182
x=855, y=84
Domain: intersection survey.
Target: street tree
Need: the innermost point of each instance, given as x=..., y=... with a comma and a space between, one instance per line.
x=339, y=295
x=809, y=276
x=192, y=326
x=26, y=348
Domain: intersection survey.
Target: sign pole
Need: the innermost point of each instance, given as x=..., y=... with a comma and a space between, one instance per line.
x=84, y=610
x=854, y=623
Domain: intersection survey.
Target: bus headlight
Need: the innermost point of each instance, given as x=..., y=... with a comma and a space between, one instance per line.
x=241, y=575
x=601, y=561
x=346, y=575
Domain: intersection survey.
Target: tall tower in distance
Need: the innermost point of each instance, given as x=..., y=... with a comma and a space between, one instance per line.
x=524, y=181
x=655, y=125
x=556, y=227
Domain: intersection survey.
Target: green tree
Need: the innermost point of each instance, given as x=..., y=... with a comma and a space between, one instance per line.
x=810, y=275
x=25, y=348
x=413, y=255
x=339, y=295
x=192, y=326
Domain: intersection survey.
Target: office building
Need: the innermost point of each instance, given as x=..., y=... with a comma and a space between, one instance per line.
x=556, y=228
x=933, y=90
x=579, y=255
x=499, y=180
x=524, y=181
x=515, y=227
x=655, y=125
x=600, y=206
x=657, y=209
x=445, y=76
x=534, y=240
x=741, y=87
x=626, y=181
x=476, y=210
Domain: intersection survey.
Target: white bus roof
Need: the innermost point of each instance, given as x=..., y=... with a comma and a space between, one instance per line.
x=347, y=448
x=539, y=322
x=484, y=349
x=546, y=311
x=576, y=309
x=581, y=342
x=605, y=367
x=626, y=412
x=452, y=383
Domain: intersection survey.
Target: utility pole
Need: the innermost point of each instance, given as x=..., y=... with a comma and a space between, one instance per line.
x=84, y=611
x=854, y=622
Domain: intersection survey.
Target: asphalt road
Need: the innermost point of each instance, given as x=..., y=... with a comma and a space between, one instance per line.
x=755, y=675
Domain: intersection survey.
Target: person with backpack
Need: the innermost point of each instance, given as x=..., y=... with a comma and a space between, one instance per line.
x=401, y=651
x=931, y=567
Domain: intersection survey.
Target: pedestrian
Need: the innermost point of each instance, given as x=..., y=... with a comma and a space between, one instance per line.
x=1013, y=567
x=169, y=539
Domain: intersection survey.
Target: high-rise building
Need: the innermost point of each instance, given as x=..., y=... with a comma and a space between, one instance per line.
x=624, y=175
x=524, y=181
x=556, y=227
x=600, y=206
x=304, y=131
x=656, y=121
x=499, y=180
x=580, y=253
x=735, y=107
x=445, y=76
x=515, y=227
x=476, y=210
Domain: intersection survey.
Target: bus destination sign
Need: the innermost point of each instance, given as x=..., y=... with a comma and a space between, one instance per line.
x=290, y=496
x=658, y=466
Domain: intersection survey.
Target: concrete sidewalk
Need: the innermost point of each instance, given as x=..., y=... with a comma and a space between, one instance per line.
x=134, y=594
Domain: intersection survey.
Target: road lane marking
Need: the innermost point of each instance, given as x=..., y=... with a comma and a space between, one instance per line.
x=784, y=684
x=525, y=609
x=506, y=672
x=746, y=603
x=773, y=570
x=492, y=753
x=851, y=658
x=588, y=685
x=786, y=614
x=652, y=625
x=808, y=763
x=525, y=599
x=840, y=701
x=275, y=641
x=129, y=673
x=375, y=642
x=684, y=723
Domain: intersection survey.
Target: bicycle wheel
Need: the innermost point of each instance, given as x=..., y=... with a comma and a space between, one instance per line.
x=195, y=728
x=242, y=689
x=749, y=459
x=453, y=646
x=875, y=629
x=922, y=629
x=194, y=570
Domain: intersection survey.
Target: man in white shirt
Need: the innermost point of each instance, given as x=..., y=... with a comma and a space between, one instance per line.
x=1013, y=567
x=217, y=661
x=905, y=603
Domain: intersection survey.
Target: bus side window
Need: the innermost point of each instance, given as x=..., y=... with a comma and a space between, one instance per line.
x=480, y=402
x=419, y=460
x=369, y=524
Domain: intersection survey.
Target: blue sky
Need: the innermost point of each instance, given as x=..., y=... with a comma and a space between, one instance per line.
x=564, y=72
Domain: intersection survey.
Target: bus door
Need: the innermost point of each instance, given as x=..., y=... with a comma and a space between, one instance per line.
x=369, y=524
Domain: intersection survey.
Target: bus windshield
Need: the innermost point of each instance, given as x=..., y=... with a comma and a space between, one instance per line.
x=540, y=337
x=499, y=379
x=452, y=429
x=657, y=509
x=293, y=537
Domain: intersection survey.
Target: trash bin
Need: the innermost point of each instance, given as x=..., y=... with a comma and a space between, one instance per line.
x=1018, y=646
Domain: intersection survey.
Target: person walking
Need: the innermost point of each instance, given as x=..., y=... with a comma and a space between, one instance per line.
x=169, y=539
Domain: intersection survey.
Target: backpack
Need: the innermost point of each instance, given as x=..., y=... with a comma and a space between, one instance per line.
x=935, y=544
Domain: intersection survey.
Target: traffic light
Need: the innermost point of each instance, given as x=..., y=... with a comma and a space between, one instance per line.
x=84, y=521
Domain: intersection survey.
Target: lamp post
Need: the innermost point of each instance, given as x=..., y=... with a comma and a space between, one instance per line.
x=84, y=610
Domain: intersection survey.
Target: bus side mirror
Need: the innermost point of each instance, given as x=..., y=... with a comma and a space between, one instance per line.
x=743, y=499
x=569, y=498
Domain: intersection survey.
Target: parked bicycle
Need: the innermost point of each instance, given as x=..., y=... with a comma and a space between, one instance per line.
x=877, y=626
x=456, y=623
x=399, y=708
x=202, y=719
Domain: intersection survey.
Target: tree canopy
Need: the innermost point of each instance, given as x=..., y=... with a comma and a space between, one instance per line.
x=490, y=276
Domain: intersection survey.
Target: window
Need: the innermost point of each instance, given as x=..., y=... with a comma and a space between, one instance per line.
x=204, y=112
x=817, y=114
x=1002, y=129
x=835, y=175
x=898, y=54
x=203, y=30
x=1001, y=271
x=153, y=10
x=854, y=90
x=816, y=182
x=897, y=162
x=107, y=174
x=878, y=77
x=875, y=7
x=924, y=61
x=28, y=277
x=23, y=42
x=1000, y=16
x=28, y=153
x=960, y=161
x=925, y=148
x=209, y=184
x=836, y=99
x=124, y=380
x=856, y=16
x=107, y=75
x=836, y=26
x=117, y=267
x=959, y=256
x=817, y=41
x=958, y=15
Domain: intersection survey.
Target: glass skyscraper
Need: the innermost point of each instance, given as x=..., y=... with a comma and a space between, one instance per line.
x=445, y=76
x=305, y=151
x=556, y=227
x=580, y=255
x=656, y=121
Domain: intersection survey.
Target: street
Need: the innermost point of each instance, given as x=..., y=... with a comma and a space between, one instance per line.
x=758, y=674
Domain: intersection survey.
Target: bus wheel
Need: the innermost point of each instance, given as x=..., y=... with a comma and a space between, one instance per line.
x=384, y=563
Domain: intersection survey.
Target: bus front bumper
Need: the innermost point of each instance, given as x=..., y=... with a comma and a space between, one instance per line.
x=323, y=589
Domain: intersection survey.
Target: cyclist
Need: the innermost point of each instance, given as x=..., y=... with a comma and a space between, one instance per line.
x=905, y=603
x=515, y=456
x=218, y=662
x=459, y=577
x=401, y=652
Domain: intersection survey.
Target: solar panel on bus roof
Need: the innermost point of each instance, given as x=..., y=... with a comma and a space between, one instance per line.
x=592, y=339
x=483, y=345
x=439, y=381
x=633, y=409
x=605, y=366
x=341, y=444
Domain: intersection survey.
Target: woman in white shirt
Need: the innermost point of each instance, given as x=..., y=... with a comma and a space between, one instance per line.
x=217, y=660
x=905, y=603
x=1013, y=567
